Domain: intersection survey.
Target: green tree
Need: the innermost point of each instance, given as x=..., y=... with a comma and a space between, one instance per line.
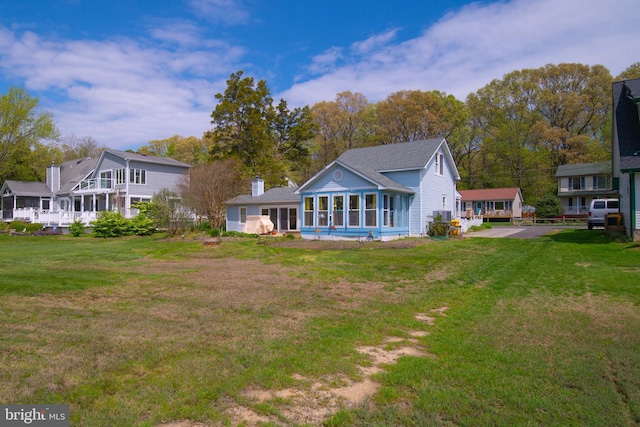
x=168, y=212
x=22, y=127
x=347, y=122
x=548, y=206
x=572, y=104
x=631, y=72
x=268, y=140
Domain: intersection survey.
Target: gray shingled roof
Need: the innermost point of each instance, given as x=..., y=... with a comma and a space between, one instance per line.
x=73, y=171
x=626, y=96
x=24, y=188
x=273, y=195
x=393, y=157
x=372, y=162
x=584, y=169
x=148, y=159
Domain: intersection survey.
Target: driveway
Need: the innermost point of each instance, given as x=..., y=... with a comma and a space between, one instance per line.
x=518, y=232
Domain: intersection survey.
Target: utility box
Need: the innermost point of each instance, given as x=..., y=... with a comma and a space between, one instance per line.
x=446, y=215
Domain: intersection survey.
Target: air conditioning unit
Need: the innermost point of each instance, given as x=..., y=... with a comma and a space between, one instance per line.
x=446, y=215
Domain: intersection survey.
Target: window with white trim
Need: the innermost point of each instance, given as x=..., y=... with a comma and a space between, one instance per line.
x=308, y=212
x=439, y=164
x=120, y=176
x=105, y=179
x=323, y=211
x=138, y=176
x=388, y=210
x=354, y=210
x=338, y=211
x=243, y=215
x=371, y=210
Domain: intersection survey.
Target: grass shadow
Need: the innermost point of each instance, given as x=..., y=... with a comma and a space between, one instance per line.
x=581, y=236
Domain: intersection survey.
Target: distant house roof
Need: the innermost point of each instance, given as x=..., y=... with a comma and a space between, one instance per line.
x=372, y=162
x=583, y=169
x=277, y=195
x=626, y=96
x=489, y=194
x=147, y=158
x=25, y=188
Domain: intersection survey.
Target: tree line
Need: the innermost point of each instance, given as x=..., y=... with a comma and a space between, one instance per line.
x=513, y=132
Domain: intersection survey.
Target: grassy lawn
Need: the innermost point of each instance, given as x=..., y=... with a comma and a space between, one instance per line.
x=149, y=331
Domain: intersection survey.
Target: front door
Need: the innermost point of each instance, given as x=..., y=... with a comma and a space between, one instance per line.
x=479, y=206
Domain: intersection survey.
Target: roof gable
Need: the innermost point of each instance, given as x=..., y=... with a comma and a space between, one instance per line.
x=371, y=163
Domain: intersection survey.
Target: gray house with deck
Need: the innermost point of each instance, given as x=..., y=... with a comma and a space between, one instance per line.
x=79, y=189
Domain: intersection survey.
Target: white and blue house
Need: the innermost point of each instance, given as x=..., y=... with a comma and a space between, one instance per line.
x=383, y=192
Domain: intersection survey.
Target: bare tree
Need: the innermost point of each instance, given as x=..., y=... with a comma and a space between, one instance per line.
x=74, y=147
x=209, y=186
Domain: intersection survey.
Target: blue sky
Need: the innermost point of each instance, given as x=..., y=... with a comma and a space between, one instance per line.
x=126, y=72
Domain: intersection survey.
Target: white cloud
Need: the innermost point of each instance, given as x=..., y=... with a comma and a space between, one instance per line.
x=373, y=42
x=468, y=48
x=230, y=12
x=122, y=92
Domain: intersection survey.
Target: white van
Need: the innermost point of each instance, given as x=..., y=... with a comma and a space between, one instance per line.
x=598, y=209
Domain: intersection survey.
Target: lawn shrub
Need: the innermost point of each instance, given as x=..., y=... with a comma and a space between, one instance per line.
x=32, y=227
x=110, y=224
x=77, y=228
x=438, y=228
x=141, y=225
x=3, y=226
x=548, y=206
x=17, y=226
x=215, y=232
x=113, y=224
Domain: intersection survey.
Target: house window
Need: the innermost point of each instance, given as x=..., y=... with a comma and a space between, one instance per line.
x=46, y=204
x=577, y=183
x=308, y=211
x=120, y=176
x=439, y=164
x=138, y=176
x=444, y=202
x=293, y=218
x=388, y=210
x=499, y=206
x=354, y=210
x=243, y=215
x=370, y=210
x=601, y=182
x=338, y=211
x=105, y=179
x=323, y=211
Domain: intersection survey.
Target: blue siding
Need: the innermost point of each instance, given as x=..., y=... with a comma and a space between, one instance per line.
x=333, y=231
x=350, y=181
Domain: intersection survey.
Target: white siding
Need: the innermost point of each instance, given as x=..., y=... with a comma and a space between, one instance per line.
x=625, y=201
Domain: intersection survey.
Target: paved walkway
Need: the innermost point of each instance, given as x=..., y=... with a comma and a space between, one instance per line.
x=518, y=232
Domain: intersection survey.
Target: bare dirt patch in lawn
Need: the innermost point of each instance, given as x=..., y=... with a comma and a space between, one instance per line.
x=314, y=401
